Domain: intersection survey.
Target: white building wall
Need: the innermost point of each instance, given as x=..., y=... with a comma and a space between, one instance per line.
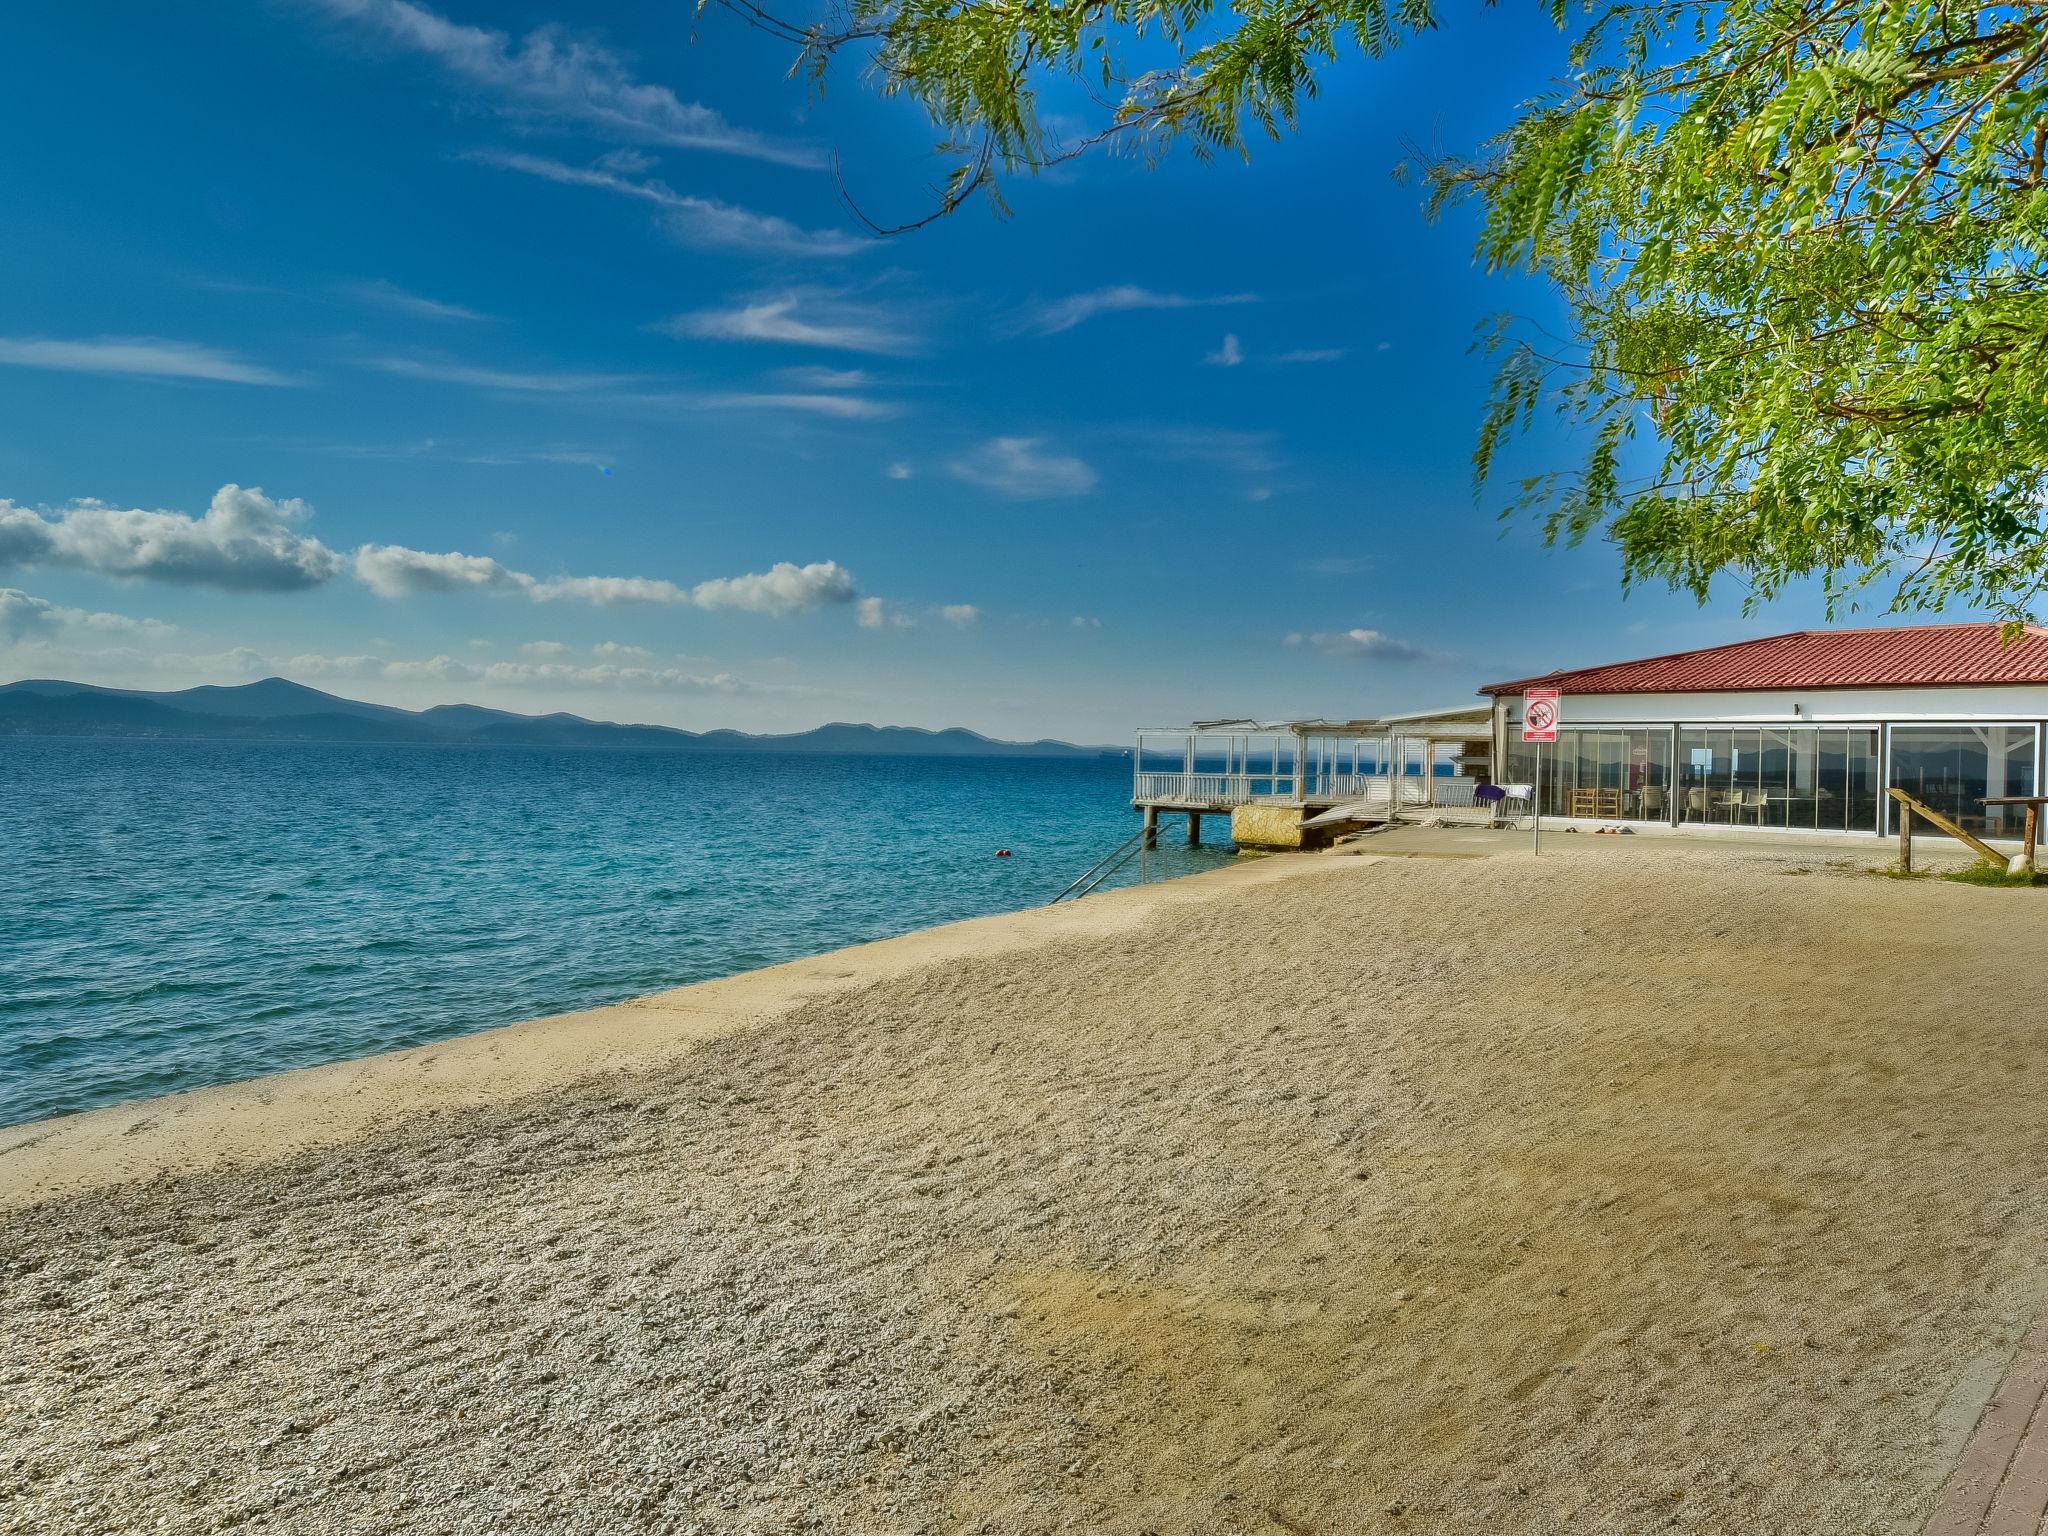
x=1811, y=706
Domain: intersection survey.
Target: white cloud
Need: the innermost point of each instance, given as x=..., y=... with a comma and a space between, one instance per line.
x=1229, y=355
x=962, y=614
x=1360, y=643
x=1246, y=452
x=811, y=376
x=245, y=541
x=900, y=472
x=497, y=378
x=550, y=73
x=1260, y=493
x=23, y=617
x=1338, y=565
x=605, y=591
x=1083, y=621
x=1065, y=314
x=1311, y=355
x=874, y=613
x=1019, y=467
x=800, y=317
x=613, y=650
x=392, y=570
x=842, y=407
x=696, y=221
x=544, y=648
x=147, y=356
x=783, y=588
x=389, y=296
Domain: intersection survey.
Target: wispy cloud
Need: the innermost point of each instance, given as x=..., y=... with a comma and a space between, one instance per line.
x=963, y=615
x=1358, y=644
x=697, y=221
x=804, y=317
x=147, y=356
x=390, y=297
x=1230, y=448
x=1022, y=468
x=1310, y=355
x=809, y=376
x=603, y=676
x=1229, y=355
x=244, y=542
x=1064, y=314
x=23, y=617
x=843, y=407
x=551, y=73
x=394, y=571
x=441, y=371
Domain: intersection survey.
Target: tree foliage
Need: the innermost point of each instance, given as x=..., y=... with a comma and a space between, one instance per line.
x=1801, y=243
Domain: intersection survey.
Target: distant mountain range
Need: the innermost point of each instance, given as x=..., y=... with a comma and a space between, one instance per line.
x=278, y=710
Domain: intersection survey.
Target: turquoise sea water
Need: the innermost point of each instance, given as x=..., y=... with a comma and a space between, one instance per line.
x=175, y=914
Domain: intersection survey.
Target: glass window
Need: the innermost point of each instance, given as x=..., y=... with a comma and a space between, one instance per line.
x=1863, y=797
x=1601, y=774
x=1953, y=769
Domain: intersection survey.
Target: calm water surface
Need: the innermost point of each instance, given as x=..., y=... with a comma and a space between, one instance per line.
x=176, y=914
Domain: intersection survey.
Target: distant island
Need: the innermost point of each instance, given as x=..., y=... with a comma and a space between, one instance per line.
x=277, y=709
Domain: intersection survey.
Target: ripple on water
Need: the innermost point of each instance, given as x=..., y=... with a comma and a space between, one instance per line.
x=194, y=912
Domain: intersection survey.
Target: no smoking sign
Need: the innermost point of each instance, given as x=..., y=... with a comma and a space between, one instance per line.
x=1539, y=714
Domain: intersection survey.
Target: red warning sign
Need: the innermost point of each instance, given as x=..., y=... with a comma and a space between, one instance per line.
x=1539, y=714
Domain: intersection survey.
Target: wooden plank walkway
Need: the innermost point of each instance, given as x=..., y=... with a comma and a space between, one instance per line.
x=2000, y=1488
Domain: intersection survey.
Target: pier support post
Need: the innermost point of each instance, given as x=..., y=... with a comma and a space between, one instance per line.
x=1151, y=826
x=1194, y=829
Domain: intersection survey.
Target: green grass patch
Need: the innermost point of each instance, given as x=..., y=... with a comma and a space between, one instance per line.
x=1984, y=872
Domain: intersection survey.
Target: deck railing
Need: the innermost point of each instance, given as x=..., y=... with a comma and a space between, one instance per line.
x=1207, y=788
x=1233, y=789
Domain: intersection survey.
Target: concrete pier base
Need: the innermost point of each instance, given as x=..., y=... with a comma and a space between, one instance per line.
x=1194, y=829
x=1277, y=827
x=1151, y=826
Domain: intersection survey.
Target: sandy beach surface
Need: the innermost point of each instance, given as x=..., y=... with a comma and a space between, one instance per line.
x=1632, y=1188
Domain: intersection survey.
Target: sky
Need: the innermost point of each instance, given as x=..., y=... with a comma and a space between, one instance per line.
x=528, y=355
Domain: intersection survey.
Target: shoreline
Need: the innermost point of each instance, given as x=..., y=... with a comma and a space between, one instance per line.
x=1521, y=1195
x=272, y=1117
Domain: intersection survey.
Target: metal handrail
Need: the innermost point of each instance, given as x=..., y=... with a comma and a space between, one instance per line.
x=1092, y=877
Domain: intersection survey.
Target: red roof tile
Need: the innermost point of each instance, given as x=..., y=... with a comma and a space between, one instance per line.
x=1917, y=654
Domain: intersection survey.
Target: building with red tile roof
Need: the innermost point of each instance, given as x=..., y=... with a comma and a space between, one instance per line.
x=1796, y=732
x=1948, y=655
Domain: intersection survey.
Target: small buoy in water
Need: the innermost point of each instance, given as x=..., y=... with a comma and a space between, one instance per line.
x=1002, y=853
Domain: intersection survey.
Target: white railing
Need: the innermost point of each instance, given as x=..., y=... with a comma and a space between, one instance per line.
x=1455, y=792
x=1199, y=788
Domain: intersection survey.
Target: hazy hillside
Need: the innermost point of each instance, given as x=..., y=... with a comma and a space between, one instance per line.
x=278, y=710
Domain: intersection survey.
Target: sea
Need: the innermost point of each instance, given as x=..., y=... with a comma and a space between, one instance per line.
x=176, y=914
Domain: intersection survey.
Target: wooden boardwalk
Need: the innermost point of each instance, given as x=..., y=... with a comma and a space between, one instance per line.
x=2000, y=1488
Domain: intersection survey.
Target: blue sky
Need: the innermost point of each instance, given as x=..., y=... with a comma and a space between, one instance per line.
x=527, y=355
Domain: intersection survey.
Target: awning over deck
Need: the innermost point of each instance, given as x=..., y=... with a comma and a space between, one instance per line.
x=1423, y=759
